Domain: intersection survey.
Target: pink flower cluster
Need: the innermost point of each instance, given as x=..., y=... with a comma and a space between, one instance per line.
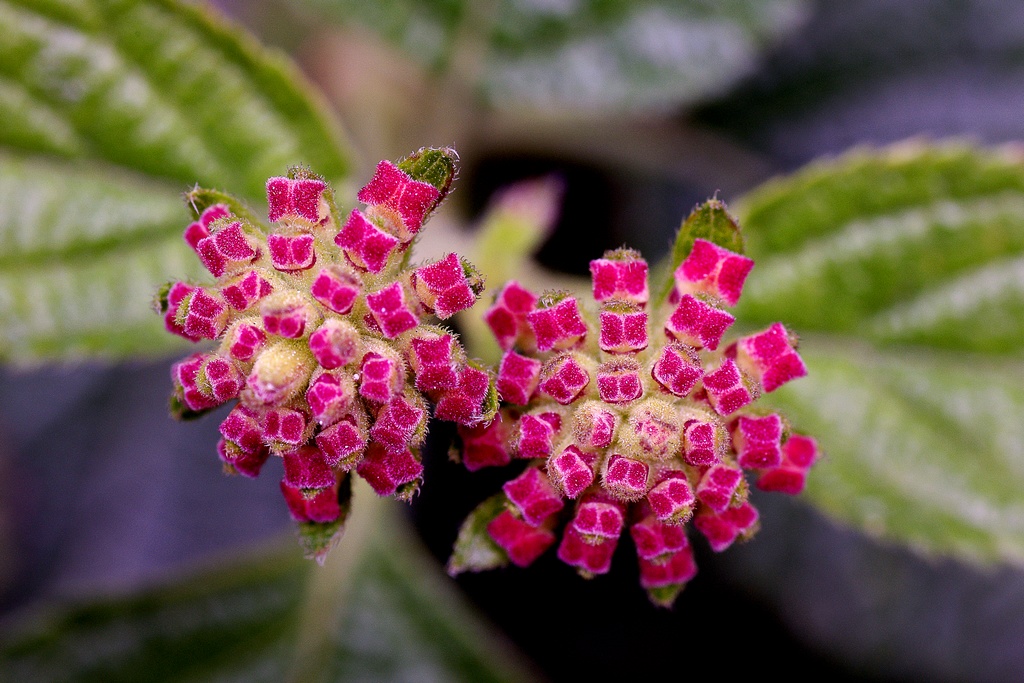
x=321, y=334
x=631, y=419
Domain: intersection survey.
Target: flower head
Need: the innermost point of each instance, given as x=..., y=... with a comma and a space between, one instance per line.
x=323, y=339
x=632, y=417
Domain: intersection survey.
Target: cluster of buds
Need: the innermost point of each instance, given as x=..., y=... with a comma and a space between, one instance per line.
x=323, y=336
x=632, y=416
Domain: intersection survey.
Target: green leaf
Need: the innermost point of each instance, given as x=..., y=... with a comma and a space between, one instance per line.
x=903, y=269
x=381, y=610
x=597, y=55
x=474, y=549
x=138, y=100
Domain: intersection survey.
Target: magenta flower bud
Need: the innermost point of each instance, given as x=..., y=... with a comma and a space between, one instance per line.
x=570, y=471
x=394, y=190
x=239, y=461
x=289, y=253
x=220, y=378
x=336, y=288
x=433, y=362
x=626, y=478
x=770, y=357
x=169, y=304
x=723, y=528
x=391, y=473
x=366, y=246
x=381, y=376
x=342, y=443
x=303, y=198
x=507, y=318
x=534, y=495
x=698, y=323
x=187, y=388
x=521, y=541
x=564, y=378
x=392, y=312
x=330, y=396
x=486, y=445
x=758, y=441
x=289, y=314
x=322, y=506
x=589, y=558
x=304, y=468
x=536, y=435
x=398, y=425
x=790, y=475
x=710, y=269
x=285, y=428
x=719, y=486
x=464, y=403
x=598, y=518
x=201, y=228
x=446, y=286
x=593, y=426
x=655, y=540
x=244, y=341
x=618, y=381
x=678, y=369
x=671, y=573
x=202, y=314
x=623, y=329
x=518, y=378
x=241, y=428
x=245, y=290
x=727, y=392
x=703, y=441
x=621, y=274
x=672, y=499
x=335, y=343
x=227, y=249
x=558, y=326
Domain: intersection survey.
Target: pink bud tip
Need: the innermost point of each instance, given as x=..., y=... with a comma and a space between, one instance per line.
x=380, y=377
x=721, y=529
x=757, y=441
x=727, y=392
x=443, y=287
x=322, y=506
x=698, y=323
x=175, y=294
x=334, y=344
x=391, y=312
x=246, y=290
x=518, y=377
x=618, y=381
x=392, y=188
x=570, y=471
x=340, y=442
x=284, y=426
x=771, y=357
x=702, y=442
x=588, y=557
x=185, y=375
x=533, y=494
x=485, y=445
x=366, y=246
x=397, y=424
x=206, y=314
x=433, y=362
x=330, y=397
x=672, y=499
x=237, y=460
x=386, y=471
x=224, y=379
x=522, y=542
x=678, y=369
x=226, y=250
x=536, y=434
x=463, y=403
x=289, y=253
x=598, y=518
x=244, y=341
x=713, y=270
x=593, y=426
x=626, y=478
x=620, y=278
x=623, y=331
x=718, y=486
x=201, y=228
x=563, y=378
x=288, y=317
x=298, y=198
x=655, y=540
x=507, y=317
x=798, y=454
x=678, y=568
x=304, y=468
x=336, y=288
x=559, y=326
x=241, y=428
